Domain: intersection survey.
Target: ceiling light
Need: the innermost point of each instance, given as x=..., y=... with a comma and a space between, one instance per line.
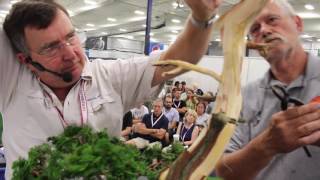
x=108, y=25
x=309, y=15
x=151, y=34
x=122, y=30
x=218, y=39
x=154, y=40
x=175, y=21
x=309, y=7
x=305, y=36
x=139, y=12
x=175, y=4
x=91, y=2
x=90, y=25
x=71, y=13
x=4, y=12
x=129, y=37
x=89, y=29
x=112, y=19
x=104, y=33
x=13, y=1
x=318, y=40
x=175, y=31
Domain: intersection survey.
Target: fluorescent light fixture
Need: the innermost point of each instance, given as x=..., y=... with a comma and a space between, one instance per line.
x=218, y=39
x=89, y=29
x=175, y=4
x=318, y=40
x=71, y=13
x=138, y=18
x=122, y=30
x=139, y=12
x=309, y=15
x=143, y=25
x=104, y=33
x=111, y=19
x=305, y=36
x=175, y=21
x=309, y=7
x=13, y=1
x=130, y=37
x=108, y=25
x=154, y=40
x=175, y=31
x=4, y=12
x=90, y=25
x=91, y=2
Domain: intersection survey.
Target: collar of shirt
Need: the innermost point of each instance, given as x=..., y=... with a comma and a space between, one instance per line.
x=312, y=71
x=86, y=72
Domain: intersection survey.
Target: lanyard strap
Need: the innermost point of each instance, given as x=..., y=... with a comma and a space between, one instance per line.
x=83, y=107
x=154, y=123
x=176, y=106
x=187, y=130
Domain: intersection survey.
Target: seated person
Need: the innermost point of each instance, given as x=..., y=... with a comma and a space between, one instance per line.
x=188, y=131
x=191, y=100
x=179, y=104
x=172, y=115
x=139, y=112
x=152, y=128
x=126, y=125
x=203, y=117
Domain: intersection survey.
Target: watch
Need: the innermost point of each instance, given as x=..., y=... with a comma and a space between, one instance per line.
x=203, y=24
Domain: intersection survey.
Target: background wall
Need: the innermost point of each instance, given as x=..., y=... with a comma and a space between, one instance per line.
x=252, y=69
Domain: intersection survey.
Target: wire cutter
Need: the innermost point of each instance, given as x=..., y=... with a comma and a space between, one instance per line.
x=287, y=101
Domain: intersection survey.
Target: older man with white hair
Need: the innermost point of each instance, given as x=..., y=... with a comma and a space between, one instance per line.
x=276, y=142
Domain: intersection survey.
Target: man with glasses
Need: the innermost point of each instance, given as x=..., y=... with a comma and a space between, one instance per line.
x=54, y=85
x=275, y=143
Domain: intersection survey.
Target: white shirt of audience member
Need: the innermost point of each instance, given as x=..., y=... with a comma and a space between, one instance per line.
x=139, y=112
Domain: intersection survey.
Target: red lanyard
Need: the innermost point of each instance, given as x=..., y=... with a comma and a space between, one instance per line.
x=83, y=107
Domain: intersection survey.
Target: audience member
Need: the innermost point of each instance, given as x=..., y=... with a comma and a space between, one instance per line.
x=179, y=104
x=139, y=112
x=126, y=125
x=191, y=100
x=202, y=120
x=188, y=131
x=152, y=128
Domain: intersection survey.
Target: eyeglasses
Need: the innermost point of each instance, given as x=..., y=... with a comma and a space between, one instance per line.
x=53, y=49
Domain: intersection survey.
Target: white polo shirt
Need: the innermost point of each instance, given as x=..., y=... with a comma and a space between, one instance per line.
x=31, y=116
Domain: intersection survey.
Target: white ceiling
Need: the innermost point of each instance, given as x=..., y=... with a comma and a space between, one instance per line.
x=97, y=12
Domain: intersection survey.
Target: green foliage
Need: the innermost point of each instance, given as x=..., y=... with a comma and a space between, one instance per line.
x=80, y=152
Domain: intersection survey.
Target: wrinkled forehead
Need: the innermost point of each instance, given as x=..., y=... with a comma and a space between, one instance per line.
x=270, y=9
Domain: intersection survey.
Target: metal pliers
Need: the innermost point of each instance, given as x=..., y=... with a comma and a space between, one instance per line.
x=287, y=101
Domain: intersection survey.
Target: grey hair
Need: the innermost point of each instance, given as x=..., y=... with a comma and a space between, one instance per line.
x=286, y=6
x=158, y=101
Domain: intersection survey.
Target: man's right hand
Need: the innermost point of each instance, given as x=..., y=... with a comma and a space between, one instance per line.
x=291, y=129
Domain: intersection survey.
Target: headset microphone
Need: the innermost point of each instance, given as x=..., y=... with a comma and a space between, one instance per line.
x=66, y=77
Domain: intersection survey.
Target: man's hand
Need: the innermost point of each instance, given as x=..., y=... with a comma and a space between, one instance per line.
x=291, y=129
x=139, y=128
x=202, y=10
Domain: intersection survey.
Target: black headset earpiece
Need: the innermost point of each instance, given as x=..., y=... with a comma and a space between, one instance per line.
x=35, y=64
x=67, y=76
